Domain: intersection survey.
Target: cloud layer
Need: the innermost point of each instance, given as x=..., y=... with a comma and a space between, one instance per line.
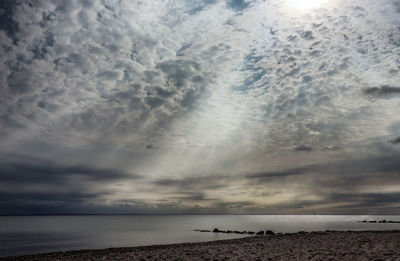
x=217, y=106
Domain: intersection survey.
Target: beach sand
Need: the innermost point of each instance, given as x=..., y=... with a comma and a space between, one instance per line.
x=329, y=245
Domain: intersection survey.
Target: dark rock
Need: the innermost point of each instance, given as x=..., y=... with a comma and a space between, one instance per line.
x=269, y=232
x=243, y=232
x=384, y=221
x=250, y=233
x=259, y=233
x=216, y=230
x=201, y=230
x=237, y=232
x=229, y=231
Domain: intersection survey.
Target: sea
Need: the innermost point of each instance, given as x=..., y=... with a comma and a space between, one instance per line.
x=21, y=235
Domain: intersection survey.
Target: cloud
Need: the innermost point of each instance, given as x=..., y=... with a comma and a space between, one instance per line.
x=124, y=80
x=43, y=198
x=303, y=148
x=47, y=172
x=6, y=13
x=181, y=90
x=283, y=173
x=196, y=6
x=352, y=169
x=112, y=67
x=332, y=147
x=195, y=182
x=193, y=196
x=395, y=140
x=29, y=182
x=359, y=200
x=382, y=90
x=238, y=5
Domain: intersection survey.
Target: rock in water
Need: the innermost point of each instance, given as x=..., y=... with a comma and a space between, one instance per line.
x=269, y=232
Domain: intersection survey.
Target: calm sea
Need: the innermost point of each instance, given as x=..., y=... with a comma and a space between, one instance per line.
x=39, y=234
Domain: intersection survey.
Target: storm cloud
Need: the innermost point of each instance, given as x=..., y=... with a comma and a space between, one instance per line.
x=48, y=172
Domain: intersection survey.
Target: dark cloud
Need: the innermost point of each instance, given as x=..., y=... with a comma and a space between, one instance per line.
x=179, y=72
x=346, y=203
x=366, y=200
x=181, y=50
x=198, y=6
x=193, y=196
x=81, y=203
x=22, y=81
x=351, y=202
x=342, y=183
x=7, y=22
x=395, y=140
x=47, y=172
x=308, y=35
x=350, y=170
x=382, y=91
x=283, y=173
x=47, y=198
x=32, y=185
x=303, y=148
x=238, y=5
x=188, y=183
x=234, y=205
x=396, y=4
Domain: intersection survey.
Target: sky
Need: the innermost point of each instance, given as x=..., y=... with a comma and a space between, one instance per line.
x=199, y=107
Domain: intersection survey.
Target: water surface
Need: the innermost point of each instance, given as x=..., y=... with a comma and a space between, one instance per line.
x=39, y=234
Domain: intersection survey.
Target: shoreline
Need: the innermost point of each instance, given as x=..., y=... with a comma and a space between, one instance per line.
x=337, y=245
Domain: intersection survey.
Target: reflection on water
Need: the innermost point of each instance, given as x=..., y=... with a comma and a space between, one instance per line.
x=38, y=234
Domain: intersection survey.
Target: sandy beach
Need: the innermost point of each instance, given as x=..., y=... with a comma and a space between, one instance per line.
x=328, y=245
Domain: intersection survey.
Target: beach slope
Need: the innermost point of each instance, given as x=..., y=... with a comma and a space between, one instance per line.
x=329, y=245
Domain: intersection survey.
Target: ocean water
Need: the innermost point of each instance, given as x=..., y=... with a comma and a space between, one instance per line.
x=40, y=234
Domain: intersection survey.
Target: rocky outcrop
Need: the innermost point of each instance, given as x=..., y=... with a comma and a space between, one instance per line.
x=269, y=232
x=259, y=233
x=378, y=221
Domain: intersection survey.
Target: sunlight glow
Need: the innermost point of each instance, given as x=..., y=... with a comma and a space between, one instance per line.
x=305, y=5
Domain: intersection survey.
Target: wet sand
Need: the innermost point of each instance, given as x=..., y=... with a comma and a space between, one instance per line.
x=329, y=245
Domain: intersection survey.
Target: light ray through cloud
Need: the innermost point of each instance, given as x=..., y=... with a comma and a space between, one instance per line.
x=256, y=106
